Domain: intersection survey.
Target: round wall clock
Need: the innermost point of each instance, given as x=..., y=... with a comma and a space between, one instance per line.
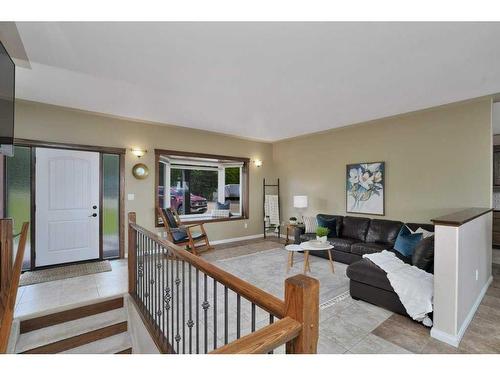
x=140, y=171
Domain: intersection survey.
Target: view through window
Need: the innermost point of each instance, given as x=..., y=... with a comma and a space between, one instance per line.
x=202, y=188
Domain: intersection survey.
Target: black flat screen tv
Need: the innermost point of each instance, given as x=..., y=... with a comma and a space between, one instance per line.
x=7, y=95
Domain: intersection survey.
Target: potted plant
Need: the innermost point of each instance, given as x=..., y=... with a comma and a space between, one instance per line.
x=293, y=220
x=322, y=233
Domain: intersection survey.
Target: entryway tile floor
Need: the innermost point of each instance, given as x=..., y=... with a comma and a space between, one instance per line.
x=51, y=296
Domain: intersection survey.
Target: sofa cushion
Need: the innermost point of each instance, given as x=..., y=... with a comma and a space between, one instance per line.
x=383, y=231
x=362, y=248
x=355, y=227
x=311, y=223
x=367, y=272
x=415, y=226
x=329, y=222
x=338, y=222
x=423, y=255
x=406, y=241
x=342, y=244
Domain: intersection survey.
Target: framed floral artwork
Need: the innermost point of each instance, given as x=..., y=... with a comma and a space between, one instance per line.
x=365, y=188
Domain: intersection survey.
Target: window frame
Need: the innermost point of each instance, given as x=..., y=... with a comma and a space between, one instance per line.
x=244, y=183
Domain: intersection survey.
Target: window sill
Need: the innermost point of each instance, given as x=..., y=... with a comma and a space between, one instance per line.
x=207, y=220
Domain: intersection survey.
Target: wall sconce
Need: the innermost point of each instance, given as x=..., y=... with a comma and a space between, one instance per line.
x=139, y=152
x=258, y=163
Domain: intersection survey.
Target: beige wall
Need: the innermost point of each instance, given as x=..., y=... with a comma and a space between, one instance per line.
x=436, y=161
x=57, y=124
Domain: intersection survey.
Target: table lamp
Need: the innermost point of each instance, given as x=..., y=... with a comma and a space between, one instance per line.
x=300, y=202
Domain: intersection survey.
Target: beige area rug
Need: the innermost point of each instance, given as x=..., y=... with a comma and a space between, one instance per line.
x=268, y=271
x=64, y=272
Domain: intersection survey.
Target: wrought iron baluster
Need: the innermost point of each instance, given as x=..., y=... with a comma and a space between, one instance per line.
x=144, y=273
x=205, y=306
x=177, y=282
x=147, y=295
x=137, y=262
x=215, y=314
x=271, y=321
x=197, y=311
x=190, y=320
x=162, y=292
x=183, y=310
x=139, y=265
x=143, y=251
x=150, y=299
x=172, y=290
x=153, y=281
x=238, y=316
x=158, y=286
x=167, y=295
x=253, y=317
x=225, y=316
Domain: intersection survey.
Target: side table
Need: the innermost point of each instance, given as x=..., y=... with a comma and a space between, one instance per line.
x=291, y=228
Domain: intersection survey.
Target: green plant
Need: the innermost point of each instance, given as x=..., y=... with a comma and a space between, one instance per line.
x=293, y=218
x=322, y=231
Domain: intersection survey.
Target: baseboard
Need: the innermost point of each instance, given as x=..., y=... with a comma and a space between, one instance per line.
x=445, y=337
x=454, y=340
x=228, y=240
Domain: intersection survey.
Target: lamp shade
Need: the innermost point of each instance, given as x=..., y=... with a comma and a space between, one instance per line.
x=300, y=201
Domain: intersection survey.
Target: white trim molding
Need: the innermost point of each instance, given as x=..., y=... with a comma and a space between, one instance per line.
x=454, y=340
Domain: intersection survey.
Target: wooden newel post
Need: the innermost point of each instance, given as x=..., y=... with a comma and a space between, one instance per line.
x=5, y=259
x=302, y=305
x=132, y=244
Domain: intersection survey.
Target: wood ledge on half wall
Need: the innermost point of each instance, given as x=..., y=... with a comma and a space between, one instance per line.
x=459, y=218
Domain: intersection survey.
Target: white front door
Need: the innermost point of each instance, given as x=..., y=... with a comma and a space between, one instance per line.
x=67, y=206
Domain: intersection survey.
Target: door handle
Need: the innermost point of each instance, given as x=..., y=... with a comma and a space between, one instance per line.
x=93, y=215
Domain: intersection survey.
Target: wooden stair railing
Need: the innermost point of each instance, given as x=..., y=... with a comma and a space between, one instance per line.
x=149, y=255
x=10, y=283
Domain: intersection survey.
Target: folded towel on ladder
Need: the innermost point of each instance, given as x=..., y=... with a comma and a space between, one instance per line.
x=271, y=209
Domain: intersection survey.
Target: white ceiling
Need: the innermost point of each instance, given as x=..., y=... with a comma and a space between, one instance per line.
x=266, y=81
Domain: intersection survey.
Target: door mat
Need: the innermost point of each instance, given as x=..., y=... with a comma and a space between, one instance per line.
x=63, y=272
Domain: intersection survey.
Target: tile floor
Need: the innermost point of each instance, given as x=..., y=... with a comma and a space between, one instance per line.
x=482, y=336
x=348, y=326
x=54, y=295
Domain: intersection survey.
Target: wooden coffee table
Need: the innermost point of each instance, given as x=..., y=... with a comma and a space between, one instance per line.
x=306, y=247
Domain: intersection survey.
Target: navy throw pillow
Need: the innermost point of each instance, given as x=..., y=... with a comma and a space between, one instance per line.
x=223, y=206
x=406, y=241
x=330, y=223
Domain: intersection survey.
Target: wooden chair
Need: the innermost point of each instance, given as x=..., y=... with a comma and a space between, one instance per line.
x=181, y=234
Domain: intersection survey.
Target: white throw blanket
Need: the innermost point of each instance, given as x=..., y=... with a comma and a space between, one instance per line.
x=414, y=286
x=271, y=209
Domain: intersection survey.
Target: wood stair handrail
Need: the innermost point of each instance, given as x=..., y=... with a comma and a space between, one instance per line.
x=8, y=313
x=261, y=298
x=264, y=340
